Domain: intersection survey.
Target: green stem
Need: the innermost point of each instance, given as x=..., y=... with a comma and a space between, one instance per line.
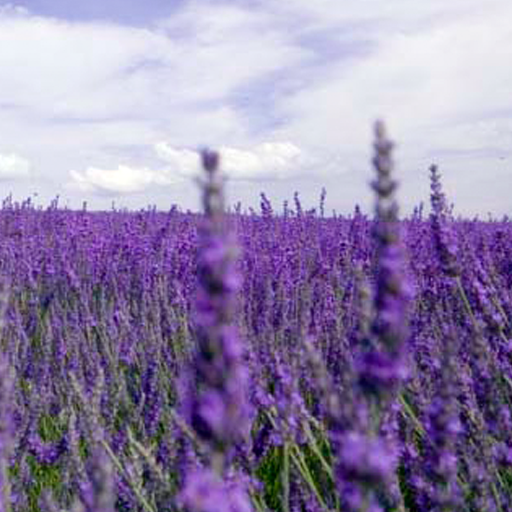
x=501, y=311
x=148, y=457
x=410, y=413
x=298, y=460
x=496, y=496
x=258, y=503
x=317, y=452
x=467, y=305
x=285, y=477
x=135, y=488
x=301, y=465
x=327, y=467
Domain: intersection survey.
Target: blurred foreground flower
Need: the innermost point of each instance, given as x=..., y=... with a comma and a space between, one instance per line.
x=218, y=408
x=205, y=492
x=382, y=368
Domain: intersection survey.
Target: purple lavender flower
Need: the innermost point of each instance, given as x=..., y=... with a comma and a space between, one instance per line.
x=204, y=491
x=218, y=411
x=443, y=429
x=98, y=491
x=366, y=461
x=444, y=238
x=381, y=368
x=46, y=453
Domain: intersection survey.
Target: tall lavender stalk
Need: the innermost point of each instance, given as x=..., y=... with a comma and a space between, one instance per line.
x=383, y=366
x=482, y=359
x=443, y=430
x=444, y=238
x=219, y=411
x=366, y=453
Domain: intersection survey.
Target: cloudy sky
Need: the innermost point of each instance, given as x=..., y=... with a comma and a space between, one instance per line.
x=109, y=100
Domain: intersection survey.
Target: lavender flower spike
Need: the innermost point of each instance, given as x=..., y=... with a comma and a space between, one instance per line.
x=382, y=367
x=443, y=236
x=219, y=411
x=444, y=429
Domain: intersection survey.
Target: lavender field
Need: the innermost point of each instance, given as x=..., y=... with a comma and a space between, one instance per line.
x=276, y=360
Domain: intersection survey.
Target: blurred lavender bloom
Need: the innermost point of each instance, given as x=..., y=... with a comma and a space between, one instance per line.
x=217, y=403
x=365, y=459
x=204, y=491
x=382, y=367
x=97, y=492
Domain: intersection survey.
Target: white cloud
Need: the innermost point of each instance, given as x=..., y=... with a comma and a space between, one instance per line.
x=183, y=162
x=13, y=10
x=232, y=74
x=87, y=92
x=100, y=70
x=123, y=180
x=269, y=161
x=396, y=12
x=442, y=88
x=76, y=69
x=13, y=167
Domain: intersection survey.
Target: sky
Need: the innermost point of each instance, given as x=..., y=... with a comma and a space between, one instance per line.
x=109, y=102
